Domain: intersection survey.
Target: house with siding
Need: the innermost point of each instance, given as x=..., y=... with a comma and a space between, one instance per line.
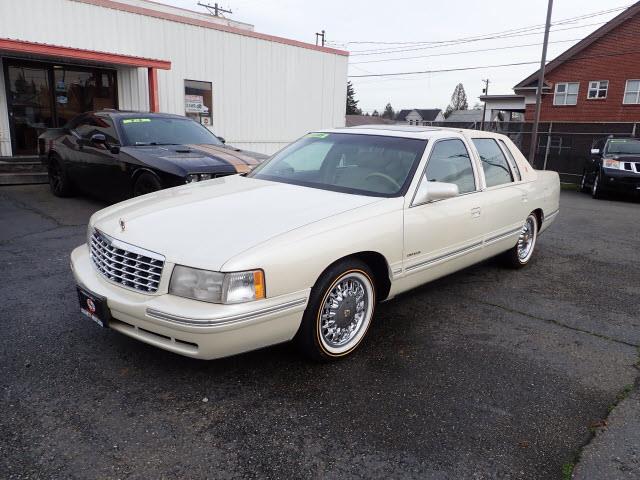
x=419, y=116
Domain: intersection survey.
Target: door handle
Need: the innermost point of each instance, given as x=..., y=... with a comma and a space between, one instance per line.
x=475, y=212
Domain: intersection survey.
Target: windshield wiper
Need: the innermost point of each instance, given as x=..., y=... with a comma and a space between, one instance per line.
x=146, y=144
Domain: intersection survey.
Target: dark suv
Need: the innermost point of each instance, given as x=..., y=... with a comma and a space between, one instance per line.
x=614, y=166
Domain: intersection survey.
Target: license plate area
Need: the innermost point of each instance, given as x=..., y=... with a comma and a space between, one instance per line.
x=94, y=307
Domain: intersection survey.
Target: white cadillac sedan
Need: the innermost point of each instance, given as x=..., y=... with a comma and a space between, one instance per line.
x=304, y=246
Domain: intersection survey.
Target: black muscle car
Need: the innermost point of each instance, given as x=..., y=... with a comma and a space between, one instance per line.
x=116, y=155
x=614, y=167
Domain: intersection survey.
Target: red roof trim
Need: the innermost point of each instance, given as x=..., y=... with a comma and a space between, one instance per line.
x=20, y=46
x=202, y=23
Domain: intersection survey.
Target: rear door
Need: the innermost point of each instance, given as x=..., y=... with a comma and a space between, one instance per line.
x=505, y=196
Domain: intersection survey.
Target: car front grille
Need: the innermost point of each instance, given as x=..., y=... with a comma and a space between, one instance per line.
x=128, y=265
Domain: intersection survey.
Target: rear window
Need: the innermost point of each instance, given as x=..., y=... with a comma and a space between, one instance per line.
x=494, y=163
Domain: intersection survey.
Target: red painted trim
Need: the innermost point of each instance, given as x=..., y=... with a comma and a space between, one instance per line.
x=203, y=23
x=20, y=46
x=154, y=101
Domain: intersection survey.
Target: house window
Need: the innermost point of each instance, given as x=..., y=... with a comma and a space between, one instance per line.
x=598, y=89
x=566, y=94
x=632, y=92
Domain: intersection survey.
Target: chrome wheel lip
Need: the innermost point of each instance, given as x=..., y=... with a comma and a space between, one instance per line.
x=527, y=239
x=338, y=295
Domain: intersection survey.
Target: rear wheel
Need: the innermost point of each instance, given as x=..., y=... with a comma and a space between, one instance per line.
x=59, y=181
x=146, y=183
x=339, y=313
x=521, y=253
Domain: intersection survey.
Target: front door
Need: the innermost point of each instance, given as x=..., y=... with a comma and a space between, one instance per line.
x=30, y=106
x=446, y=235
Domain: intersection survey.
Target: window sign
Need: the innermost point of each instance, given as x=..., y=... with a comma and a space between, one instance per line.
x=198, y=101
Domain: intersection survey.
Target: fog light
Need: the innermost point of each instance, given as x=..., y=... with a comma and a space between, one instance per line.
x=191, y=178
x=205, y=176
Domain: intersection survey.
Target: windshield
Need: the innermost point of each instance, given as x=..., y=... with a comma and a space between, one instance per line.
x=152, y=130
x=623, y=146
x=363, y=164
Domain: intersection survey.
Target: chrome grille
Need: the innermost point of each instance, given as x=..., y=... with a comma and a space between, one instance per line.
x=126, y=264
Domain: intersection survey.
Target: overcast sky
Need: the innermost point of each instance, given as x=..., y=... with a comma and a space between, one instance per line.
x=425, y=21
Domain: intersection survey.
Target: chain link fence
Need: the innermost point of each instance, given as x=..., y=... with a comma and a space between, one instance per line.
x=561, y=146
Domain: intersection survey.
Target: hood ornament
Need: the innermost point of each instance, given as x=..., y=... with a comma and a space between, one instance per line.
x=122, y=225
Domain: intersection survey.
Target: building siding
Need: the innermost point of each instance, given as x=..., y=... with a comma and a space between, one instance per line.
x=616, y=69
x=265, y=93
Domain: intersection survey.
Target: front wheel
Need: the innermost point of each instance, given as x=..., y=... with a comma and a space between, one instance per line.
x=519, y=255
x=596, y=189
x=583, y=183
x=146, y=183
x=339, y=313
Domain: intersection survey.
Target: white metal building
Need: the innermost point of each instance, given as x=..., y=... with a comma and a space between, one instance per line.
x=62, y=57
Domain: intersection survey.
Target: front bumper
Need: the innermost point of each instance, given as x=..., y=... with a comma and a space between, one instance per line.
x=620, y=181
x=188, y=327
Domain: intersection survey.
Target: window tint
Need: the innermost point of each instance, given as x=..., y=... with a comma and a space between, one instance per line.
x=512, y=161
x=90, y=125
x=495, y=166
x=450, y=163
x=361, y=164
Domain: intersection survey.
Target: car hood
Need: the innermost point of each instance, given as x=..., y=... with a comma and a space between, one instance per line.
x=204, y=224
x=193, y=158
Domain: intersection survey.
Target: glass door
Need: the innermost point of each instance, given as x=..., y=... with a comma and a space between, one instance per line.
x=30, y=105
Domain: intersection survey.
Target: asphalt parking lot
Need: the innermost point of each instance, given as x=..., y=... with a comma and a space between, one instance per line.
x=488, y=373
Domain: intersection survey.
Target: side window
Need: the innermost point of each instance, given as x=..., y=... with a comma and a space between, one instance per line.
x=512, y=161
x=449, y=162
x=92, y=124
x=85, y=127
x=495, y=165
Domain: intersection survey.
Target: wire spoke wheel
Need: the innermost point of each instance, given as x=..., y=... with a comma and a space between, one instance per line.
x=345, y=313
x=527, y=239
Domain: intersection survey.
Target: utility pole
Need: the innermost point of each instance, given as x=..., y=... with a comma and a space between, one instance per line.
x=321, y=35
x=215, y=9
x=485, y=90
x=543, y=61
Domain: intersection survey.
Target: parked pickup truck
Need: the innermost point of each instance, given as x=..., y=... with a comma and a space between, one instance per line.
x=614, y=166
x=304, y=246
x=116, y=155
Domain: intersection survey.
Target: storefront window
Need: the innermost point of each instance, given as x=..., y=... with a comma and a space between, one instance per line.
x=198, y=101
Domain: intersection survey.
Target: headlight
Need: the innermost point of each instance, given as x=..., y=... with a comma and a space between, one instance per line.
x=194, y=177
x=90, y=231
x=609, y=163
x=216, y=287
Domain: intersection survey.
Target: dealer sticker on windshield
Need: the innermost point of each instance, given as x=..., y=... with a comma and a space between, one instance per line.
x=317, y=135
x=135, y=120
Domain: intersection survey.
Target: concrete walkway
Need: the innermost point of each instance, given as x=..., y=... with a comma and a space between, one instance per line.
x=614, y=453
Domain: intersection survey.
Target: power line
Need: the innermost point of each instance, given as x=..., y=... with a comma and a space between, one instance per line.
x=514, y=30
x=382, y=52
x=478, y=67
x=460, y=52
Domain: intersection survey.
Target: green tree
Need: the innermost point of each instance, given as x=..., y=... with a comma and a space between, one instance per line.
x=352, y=103
x=388, y=112
x=458, y=101
x=375, y=113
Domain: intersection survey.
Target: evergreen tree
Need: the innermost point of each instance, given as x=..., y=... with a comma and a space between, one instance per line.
x=458, y=100
x=352, y=103
x=388, y=112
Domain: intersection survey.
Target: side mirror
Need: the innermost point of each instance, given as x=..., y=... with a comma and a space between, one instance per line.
x=98, y=139
x=222, y=139
x=433, y=191
x=595, y=151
